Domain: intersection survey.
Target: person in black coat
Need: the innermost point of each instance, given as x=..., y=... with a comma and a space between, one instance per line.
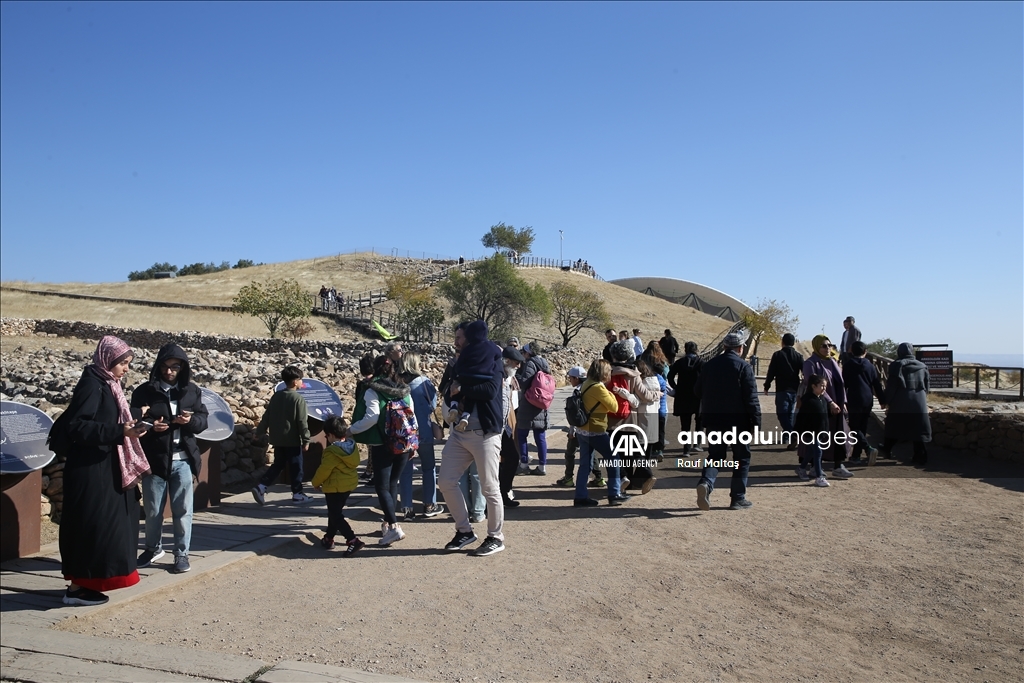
x=682, y=377
x=177, y=412
x=785, y=370
x=906, y=394
x=728, y=401
x=862, y=386
x=99, y=524
x=813, y=422
x=669, y=347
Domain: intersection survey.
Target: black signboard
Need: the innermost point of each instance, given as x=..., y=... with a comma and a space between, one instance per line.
x=220, y=424
x=23, y=432
x=321, y=400
x=940, y=367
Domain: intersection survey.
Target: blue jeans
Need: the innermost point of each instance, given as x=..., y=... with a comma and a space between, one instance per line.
x=738, y=486
x=813, y=457
x=469, y=483
x=785, y=408
x=541, y=437
x=154, y=494
x=426, y=453
x=602, y=445
x=290, y=456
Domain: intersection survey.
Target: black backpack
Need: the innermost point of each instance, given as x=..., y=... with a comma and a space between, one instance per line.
x=58, y=440
x=575, y=413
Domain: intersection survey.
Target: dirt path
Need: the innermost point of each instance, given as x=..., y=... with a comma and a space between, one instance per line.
x=894, y=575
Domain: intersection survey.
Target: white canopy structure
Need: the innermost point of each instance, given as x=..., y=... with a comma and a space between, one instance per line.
x=703, y=298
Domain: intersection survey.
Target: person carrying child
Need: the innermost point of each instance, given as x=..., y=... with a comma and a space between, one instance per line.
x=336, y=477
x=813, y=418
x=476, y=364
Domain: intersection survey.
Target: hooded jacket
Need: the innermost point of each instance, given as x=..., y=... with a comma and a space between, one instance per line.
x=185, y=397
x=906, y=394
x=529, y=416
x=370, y=412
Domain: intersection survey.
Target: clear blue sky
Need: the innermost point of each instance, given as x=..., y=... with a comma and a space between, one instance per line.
x=847, y=158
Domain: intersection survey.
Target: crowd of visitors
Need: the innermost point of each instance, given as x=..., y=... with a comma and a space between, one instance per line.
x=491, y=398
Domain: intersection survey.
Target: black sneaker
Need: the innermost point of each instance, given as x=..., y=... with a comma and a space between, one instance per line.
x=619, y=499
x=490, y=546
x=585, y=503
x=84, y=597
x=149, y=557
x=460, y=541
x=181, y=565
x=510, y=503
x=741, y=504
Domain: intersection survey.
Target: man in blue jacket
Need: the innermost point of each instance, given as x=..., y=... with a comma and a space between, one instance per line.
x=729, y=411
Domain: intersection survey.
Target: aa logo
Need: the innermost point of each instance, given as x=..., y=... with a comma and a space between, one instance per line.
x=629, y=441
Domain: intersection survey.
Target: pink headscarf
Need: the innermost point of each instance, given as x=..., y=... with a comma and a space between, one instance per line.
x=109, y=352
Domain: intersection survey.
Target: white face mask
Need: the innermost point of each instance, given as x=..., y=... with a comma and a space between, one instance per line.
x=509, y=370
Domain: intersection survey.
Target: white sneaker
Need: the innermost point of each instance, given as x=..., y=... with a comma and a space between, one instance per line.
x=392, y=535
x=841, y=472
x=301, y=498
x=821, y=481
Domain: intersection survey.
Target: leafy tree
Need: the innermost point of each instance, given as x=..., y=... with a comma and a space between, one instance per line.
x=415, y=303
x=244, y=263
x=148, y=273
x=883, y=347
x=503, y=236
x=203, y=268
x=493, y=292
x=274, y=302
x=769, y=322
x=575, y=309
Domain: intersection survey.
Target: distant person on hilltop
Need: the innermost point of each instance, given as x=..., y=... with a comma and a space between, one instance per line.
x=669, y=347
x=785, y=368
x=851, y=334
x=323, y=297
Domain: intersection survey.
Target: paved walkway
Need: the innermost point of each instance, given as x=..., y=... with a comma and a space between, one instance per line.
x=31, y=590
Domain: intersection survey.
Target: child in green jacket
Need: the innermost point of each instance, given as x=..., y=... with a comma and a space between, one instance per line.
x=337, y=477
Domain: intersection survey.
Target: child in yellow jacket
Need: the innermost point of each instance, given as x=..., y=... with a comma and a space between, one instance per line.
x=338, y=479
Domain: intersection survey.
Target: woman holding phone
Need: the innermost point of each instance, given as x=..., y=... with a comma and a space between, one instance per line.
x=99, y=526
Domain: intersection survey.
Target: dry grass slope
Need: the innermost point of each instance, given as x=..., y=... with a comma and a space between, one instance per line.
x=350, y=272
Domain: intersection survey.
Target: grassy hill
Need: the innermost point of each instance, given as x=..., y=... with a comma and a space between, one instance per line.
x=348, y=272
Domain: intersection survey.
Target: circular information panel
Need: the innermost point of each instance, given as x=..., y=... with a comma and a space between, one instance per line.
x=321, y=400
x=220, y=424
x=23, y=432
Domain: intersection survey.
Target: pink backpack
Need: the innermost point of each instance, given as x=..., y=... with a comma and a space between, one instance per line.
x=541, y=391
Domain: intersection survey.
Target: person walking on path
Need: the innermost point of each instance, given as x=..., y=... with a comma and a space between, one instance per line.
x=576, y=376
x=509, y=465
x=851, y=334
x=632, y=392
x=813, y=419
x=784, y=369
x=286, y=421
x=479, y=443
x=99, y=525
x=728, y=399
x=682, y=378
x=368, y=425
x=862, y=386
x=177, y=412
x=906, y=394
x=669, y=346
x=530, y=417
x=424, y=400
x=337, y=478
x=598, y=401
x=823, y=363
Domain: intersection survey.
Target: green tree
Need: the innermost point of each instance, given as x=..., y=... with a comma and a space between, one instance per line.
x=769, y=322
x=415, y=303
x=883, y=347
x=148, y=273
x=503, y=236
x=274, y=302
x=493, y=292
x=203, y=268
x=575, y=309
x=244, y=263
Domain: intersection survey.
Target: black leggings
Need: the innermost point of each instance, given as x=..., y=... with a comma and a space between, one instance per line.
x=387, y=471
x=335, y=520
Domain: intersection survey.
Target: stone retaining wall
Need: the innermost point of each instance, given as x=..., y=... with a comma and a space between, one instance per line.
x=992, y=434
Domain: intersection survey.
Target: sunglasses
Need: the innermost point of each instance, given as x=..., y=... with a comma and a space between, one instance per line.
x=174, y=368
